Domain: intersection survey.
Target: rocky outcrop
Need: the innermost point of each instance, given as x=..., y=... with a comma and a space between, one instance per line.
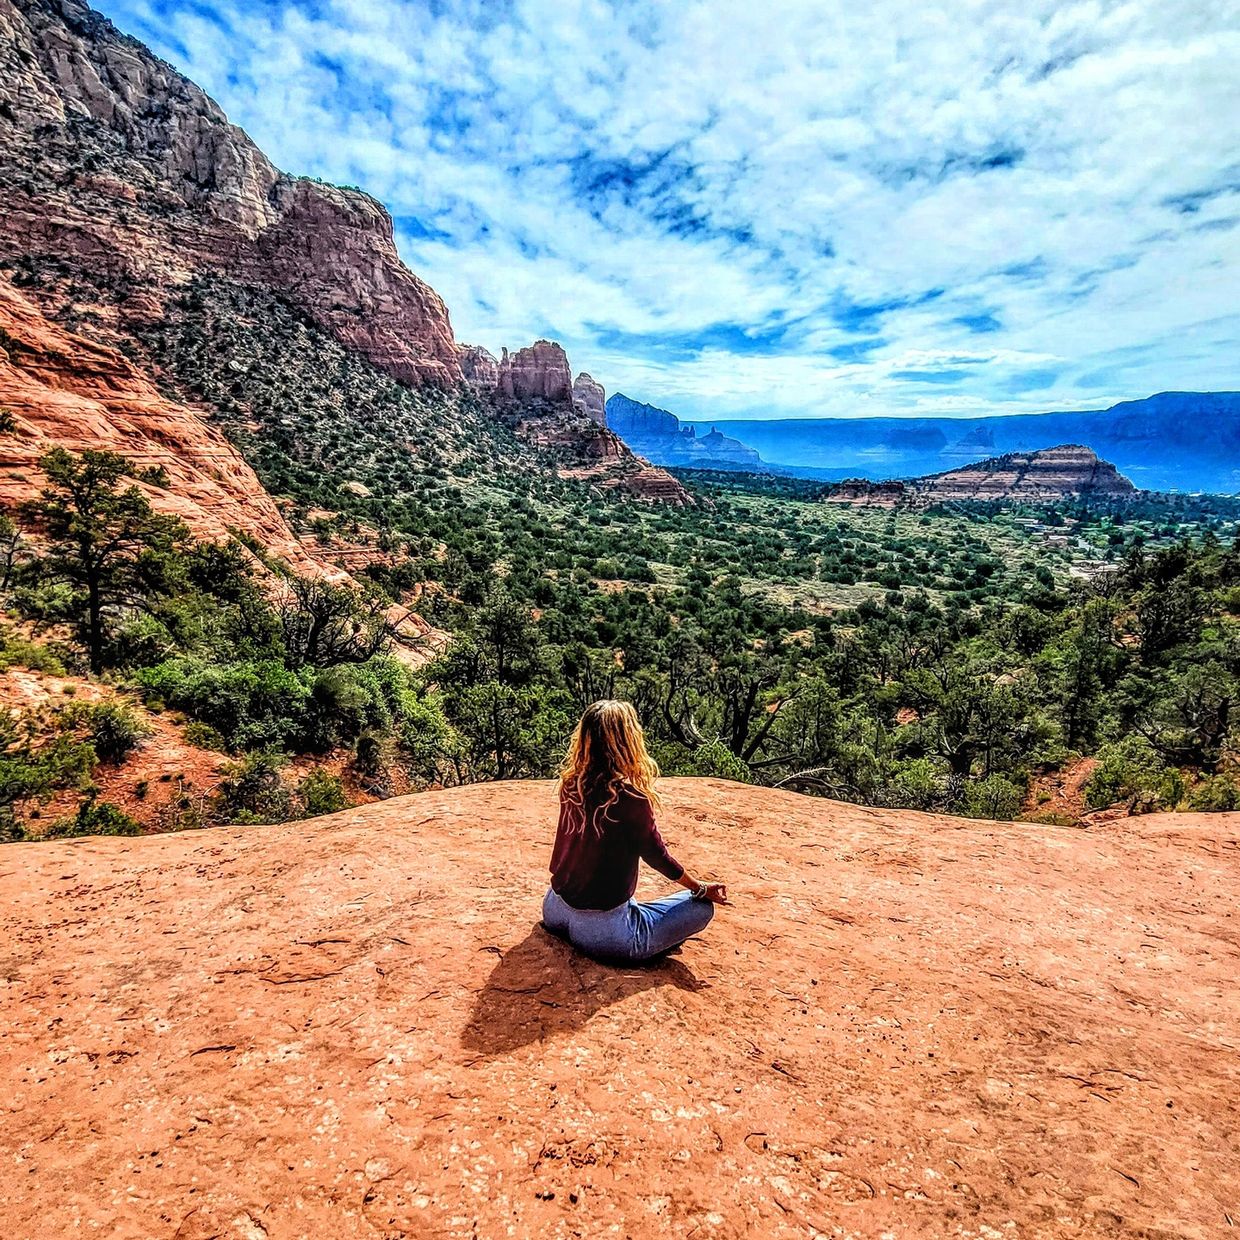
x=860, y=491
x=354, y=1027
x=538, y=372
x=479, y=368
x=660, y=436
x=114, y=164
x=660, y=487
x=1066, y=472
x=590, y=398
x=597, y=455
x=534, y=390
x=66, y=391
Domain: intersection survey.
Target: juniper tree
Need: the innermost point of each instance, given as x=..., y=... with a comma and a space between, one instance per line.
x=104, y=540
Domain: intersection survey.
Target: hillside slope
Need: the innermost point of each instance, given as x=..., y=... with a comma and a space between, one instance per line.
x=123, y=188
x=66, y=391
x=906, y=1025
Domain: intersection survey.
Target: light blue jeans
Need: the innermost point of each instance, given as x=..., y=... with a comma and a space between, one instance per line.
x=630, y=931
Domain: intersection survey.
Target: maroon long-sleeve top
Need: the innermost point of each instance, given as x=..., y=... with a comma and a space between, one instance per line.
x=595, y=866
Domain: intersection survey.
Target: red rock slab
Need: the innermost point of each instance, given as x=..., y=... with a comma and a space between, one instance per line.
x=904, y=1026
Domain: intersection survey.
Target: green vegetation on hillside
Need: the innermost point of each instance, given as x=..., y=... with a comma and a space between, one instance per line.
x=944, y=659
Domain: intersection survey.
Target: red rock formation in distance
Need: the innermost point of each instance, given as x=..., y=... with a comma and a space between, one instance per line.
x=1067, y=471
x=538, y=372
x=590, y=397
x=535, y=387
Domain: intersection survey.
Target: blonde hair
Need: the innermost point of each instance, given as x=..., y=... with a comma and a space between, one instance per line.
x=608, y=753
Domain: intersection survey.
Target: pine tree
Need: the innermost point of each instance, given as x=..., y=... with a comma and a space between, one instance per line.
x=105, y=541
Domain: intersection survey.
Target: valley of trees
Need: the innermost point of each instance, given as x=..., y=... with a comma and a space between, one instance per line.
x=946, y=660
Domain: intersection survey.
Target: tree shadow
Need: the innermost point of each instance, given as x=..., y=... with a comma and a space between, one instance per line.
x=543, y=986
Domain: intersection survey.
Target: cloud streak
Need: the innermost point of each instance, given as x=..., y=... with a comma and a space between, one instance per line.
x=816, y=211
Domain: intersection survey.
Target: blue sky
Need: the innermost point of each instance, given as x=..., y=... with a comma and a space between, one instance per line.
x=807, y=208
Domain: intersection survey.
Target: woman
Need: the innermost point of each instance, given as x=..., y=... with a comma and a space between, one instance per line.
x=607, y=801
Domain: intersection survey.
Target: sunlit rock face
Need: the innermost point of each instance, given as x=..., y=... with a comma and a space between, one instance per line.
x=1053, y=473
x=590, y=398
x=65, y=391
x=114, y=164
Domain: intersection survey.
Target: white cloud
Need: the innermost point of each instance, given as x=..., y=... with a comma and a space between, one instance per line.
x=828, y=208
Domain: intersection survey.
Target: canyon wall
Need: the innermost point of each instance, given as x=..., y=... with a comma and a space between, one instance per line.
x=114, y=163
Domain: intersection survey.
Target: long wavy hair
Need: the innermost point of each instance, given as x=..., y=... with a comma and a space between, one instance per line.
x=606, y=755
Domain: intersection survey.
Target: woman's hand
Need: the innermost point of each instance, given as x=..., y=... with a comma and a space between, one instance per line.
x=716, y=893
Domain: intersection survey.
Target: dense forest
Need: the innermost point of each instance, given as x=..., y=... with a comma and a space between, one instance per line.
x=945, y=659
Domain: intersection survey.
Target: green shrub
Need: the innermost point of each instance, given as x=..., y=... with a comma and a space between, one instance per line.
x=94, y=818
x=917, y=783
x=252, y=790
x=347, y=701
x=1218, y=794
x=16, y=651
x=250, y=705
x=1126, y=769
x=204, y=736
x=113, y=727
x=1050, y=818
x=33, y=764
x=716, y=759
x=11, y=831
x=996, y=796
x=427, y=740
x=322, y=793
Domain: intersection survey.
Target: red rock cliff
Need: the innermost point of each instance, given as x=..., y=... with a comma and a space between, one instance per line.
x=115, y=164
x=68, y=391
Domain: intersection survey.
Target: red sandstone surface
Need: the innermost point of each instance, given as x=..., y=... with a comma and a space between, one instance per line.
x=67, y=391
x=905, y=1026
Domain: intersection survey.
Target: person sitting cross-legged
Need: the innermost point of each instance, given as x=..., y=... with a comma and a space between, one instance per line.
x=607, y=823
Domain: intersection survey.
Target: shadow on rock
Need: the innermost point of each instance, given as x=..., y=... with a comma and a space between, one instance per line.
x=542, y=987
